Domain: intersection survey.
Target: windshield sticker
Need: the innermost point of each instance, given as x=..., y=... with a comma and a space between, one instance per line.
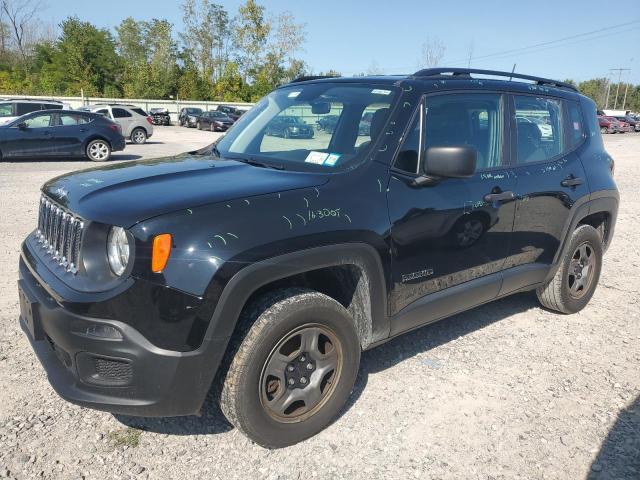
x=294, y=94
x=377, y=91
x=316, y=157
x=332, y=159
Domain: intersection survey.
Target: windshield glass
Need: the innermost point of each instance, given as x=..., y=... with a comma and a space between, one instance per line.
x=320, y=126
x=192, y=111
x=5, y=110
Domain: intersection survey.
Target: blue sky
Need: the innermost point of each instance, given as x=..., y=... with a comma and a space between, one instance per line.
x=350, y=36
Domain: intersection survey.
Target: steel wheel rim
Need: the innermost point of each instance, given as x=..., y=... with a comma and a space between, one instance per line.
x=312, y=352
x=581, y=270
x=99, y=151
x=138, y=136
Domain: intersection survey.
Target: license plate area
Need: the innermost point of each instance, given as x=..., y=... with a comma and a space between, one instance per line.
x=29, y=312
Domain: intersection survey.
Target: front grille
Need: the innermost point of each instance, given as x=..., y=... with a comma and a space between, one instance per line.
x=60, y=234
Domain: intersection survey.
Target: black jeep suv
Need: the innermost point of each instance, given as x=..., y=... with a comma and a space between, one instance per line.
x=265, y=266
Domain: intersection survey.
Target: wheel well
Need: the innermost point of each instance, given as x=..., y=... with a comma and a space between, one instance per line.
x=95, y=137
x=601, y=222
x=348, y=284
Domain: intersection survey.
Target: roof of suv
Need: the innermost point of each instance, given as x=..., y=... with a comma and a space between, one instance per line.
x=463, y=78
x=31, y=100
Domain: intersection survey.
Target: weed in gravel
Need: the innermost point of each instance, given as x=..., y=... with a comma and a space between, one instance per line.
x=129, y=437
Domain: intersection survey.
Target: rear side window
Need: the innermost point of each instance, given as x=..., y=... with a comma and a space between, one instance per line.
x=52, y=106
x=24, y=108
x=140, y=111
x=73, y=119
x=539, y=128
x=120, y=113
x=104, y=112
x=576, y=127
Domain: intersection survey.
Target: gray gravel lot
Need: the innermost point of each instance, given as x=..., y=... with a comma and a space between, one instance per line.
x=504, y=391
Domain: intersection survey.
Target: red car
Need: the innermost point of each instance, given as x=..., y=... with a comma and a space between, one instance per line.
x=606, y=125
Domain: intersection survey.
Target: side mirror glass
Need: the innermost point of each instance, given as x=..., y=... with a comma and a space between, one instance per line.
x=22, y=126
x=320, y=108
x=450, y=162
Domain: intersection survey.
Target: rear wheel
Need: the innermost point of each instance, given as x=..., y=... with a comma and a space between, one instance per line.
x=576, y=280
x=293, y=371
x=603, y=130
x=211, y=128
x=98, y=150
x=139, y=136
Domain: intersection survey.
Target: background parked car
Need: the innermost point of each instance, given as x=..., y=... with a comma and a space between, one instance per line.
x=289, y=127
x=232, y=112
x=327, y=123
x=61, y=133
x=160, y=116
x=606, y=125
x=136, y=124
x=633, y=123
x=189, y=116
x=215, y=121
x=11, y=109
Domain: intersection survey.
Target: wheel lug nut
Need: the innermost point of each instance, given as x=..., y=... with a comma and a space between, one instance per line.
x=291, y=381
x=290, y=368
x=303, y=380
x=303, y=358
x=309, y=366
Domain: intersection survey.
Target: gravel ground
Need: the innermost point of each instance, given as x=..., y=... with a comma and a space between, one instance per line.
x=506, y=390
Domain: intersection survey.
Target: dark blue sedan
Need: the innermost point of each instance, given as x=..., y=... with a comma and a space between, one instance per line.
x=61, y=133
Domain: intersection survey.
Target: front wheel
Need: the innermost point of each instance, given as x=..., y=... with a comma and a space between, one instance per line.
x=576, y=280
x=293, y=370
x=603, y=130
x=98, y=150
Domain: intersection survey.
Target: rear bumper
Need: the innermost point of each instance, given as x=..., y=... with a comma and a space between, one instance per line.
x=118, y=145
x=128, y=375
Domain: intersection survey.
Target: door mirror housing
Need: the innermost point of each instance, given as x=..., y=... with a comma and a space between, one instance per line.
x=450, y=162
x=22, y=126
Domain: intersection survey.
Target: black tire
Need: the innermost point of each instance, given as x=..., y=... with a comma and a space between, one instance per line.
x=212, y=128
x=272, y=319
x=603, y=130
x=98, y=150
x=286, y=133
x=563, y=293
x=139, y=136
x=198, y=125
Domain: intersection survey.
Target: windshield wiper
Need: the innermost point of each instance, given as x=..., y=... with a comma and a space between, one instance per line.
x=257, y=163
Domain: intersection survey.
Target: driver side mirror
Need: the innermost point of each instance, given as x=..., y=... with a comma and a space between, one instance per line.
x=450, y=162
x=22, y=126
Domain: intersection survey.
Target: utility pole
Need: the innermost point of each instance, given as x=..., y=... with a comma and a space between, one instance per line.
x=626, y=88
x=619, y=70
x=606, y=101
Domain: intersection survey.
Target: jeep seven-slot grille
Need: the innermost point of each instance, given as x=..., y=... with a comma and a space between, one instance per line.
x=60, y=234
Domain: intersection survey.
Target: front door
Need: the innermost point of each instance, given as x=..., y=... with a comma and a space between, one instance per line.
x=455, y=230
x=34, y=139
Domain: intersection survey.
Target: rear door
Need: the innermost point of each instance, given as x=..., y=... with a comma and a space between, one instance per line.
x=551, y=179
x=458, y=229
x=70, y=132
x=124, y=118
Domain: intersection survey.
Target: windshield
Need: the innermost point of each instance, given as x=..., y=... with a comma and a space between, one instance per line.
x=5, y=110
x=318, y=126
x=194, y=110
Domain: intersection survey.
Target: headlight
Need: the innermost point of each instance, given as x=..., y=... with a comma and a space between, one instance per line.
x=118, y=250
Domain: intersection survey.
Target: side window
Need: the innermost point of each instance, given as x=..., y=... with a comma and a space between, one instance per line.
x=539, y=128
x=140, y=111
x=576, y=127
x=24, y=108
x=73, y=119
x=39, y=121
x=120, y=113
x=52, y=106
x=104, y=112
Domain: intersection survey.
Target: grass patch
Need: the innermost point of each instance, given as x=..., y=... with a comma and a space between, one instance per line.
x=129, y=437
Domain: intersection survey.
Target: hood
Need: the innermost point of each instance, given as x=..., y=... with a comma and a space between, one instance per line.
x=126, y=193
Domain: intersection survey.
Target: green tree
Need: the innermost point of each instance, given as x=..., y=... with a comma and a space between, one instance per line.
x=596, y=89
x=251, y=31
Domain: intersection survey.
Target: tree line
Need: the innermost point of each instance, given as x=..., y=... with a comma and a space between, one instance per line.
x=218, y=55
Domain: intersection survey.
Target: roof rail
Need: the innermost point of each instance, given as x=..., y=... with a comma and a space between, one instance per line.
x=30, y=99
x=466, y=73
x=311, y=77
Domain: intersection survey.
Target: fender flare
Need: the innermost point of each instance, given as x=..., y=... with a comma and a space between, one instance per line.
x=245, y=282
x=602, y=201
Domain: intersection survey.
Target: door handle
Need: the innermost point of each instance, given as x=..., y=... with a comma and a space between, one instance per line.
x=572, y=181
x=499, y=197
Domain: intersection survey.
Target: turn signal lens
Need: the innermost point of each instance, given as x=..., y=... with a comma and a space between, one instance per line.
x=160, y=253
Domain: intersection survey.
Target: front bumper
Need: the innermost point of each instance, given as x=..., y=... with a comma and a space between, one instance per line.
x=129, y=376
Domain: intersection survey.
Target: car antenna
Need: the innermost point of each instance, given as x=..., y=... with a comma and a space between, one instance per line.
x=512, y=70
